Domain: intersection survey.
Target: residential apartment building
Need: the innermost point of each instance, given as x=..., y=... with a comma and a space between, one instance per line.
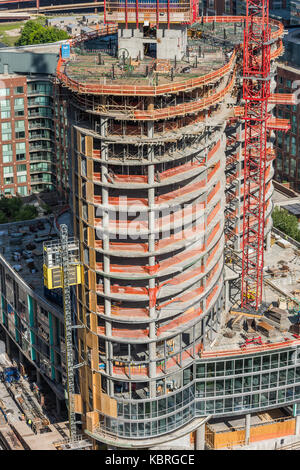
x=287, y=162
x=33, y=150
x=14, y=143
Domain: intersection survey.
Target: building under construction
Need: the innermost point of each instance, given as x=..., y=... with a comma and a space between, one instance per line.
x=157, y=142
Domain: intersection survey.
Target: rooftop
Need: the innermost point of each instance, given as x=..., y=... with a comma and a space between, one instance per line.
x=30, y=237
x=21, y=245
x=282, y=276
x=84, y=66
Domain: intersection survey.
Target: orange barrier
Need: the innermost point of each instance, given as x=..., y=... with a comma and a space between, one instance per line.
x=115, y=201
x=126, y=312
x=123, y=333
x=195, y=211
x=213, y=233
x=213, y=213
x=185, y=108
x=213, y=192
x=143, y=370
x=171, y=172
x=184, y=235
x=184, y=298
x=251, y=350
x=184, y=318
x=282, y=98
x=100, y=31
x=213, y=150
x=238, y=19
x=135, y=90
x=211, y=295
x=277, y=52
x=212, y=253
x=168, y=263
x=278, y=124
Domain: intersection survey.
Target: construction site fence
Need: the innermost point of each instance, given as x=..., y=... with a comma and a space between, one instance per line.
x=237, y=19
x=266, y=347
x=258, y=432
x=144, y=90
x=92, y=88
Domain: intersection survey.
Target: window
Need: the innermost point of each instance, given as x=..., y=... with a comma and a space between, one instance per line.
x=5, y=114
x=22, y=190
x=7, y=170
x=20, y=147
x=20, y=151
x=6, y=130
x=18, y=90
x=22, y=179
x=293, y=146
x=21, y=168
x=9, y=191
x=5, y=105
x=19, y=103
x=9, y=180
x=20, y=135
x=4, y=91
x=20, y=125
x=7, y=153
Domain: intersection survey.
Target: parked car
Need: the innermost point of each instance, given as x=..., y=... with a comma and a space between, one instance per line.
x=17, y=267
x=27, y=254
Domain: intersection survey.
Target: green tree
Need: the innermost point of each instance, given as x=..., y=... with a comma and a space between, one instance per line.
x=26, y=213
x=286, y=222
x=13, y=209
x=3, y=217
x=34, y=32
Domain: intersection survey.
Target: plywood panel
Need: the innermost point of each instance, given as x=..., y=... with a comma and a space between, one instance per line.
x=89, y=192
x=261, y=432
x=228, y=439
x=78, y=403
x=91, y=215
x=89, y=145
x=92, y=420
x=78, y=141
x=108, y=405
x=89, y=168
x=272, y=430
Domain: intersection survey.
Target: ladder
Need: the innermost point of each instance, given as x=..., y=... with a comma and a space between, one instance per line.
x=68, y=328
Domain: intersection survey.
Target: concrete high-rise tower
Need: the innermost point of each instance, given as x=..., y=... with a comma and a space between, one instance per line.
x=157, y=190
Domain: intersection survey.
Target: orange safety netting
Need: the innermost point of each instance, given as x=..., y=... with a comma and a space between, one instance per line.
x=187, y=316
x=184, y=108
x=92, y=88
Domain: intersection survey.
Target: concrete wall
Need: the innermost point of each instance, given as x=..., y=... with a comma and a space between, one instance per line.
x=170, y=43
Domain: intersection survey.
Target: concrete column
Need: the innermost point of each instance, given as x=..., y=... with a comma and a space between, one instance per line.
x=152, y=261
x=20, y=357
x=38, y=378
x=268, y=241
x=226, y=296
x=247, y=428
x=58, y=406
x=200, y=438
x=7, y=342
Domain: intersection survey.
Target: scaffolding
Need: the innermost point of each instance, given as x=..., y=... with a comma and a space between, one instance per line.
x=62, y=269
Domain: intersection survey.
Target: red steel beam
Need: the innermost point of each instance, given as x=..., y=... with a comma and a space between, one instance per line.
x=256, y=91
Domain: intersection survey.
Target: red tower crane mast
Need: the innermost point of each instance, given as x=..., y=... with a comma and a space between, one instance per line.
x=256, y=91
